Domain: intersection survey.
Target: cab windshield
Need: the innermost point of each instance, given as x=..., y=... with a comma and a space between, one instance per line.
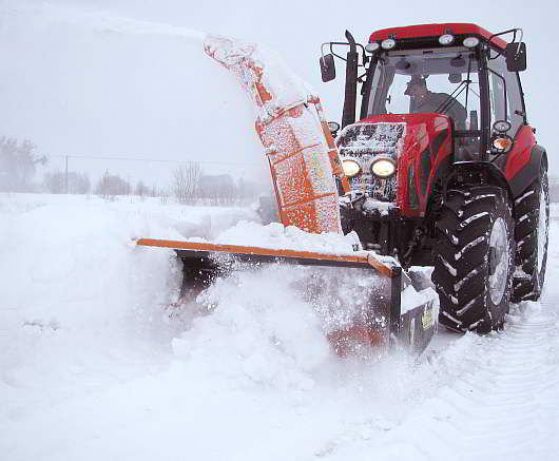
x=440, y=80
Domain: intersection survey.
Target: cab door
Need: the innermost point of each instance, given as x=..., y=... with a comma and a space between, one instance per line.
x=506, y=102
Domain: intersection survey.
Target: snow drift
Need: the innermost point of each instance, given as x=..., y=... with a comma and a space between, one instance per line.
x=96, y=364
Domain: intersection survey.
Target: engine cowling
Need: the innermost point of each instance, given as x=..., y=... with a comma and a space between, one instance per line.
x=417, y=144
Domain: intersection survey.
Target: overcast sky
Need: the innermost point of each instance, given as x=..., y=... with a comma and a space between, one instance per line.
x=74, y=83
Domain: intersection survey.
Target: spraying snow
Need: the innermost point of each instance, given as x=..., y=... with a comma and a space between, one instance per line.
x=101, y=88
x=102, y=22
x=96, y=363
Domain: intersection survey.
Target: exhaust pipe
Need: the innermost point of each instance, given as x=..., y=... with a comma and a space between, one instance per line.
x=348, y=116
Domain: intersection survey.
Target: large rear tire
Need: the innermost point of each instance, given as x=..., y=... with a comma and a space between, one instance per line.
x=531, y=233
x=474, y=259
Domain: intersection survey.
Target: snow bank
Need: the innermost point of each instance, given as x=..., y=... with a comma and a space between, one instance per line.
x=89, y=330
x=275, y=235
x=95, y=364
x=74, y=282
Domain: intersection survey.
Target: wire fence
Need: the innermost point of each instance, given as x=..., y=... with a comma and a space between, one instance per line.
x=189, y=180
x=151, y=171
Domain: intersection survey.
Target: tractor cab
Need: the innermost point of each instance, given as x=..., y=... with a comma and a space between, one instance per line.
x=459, y=71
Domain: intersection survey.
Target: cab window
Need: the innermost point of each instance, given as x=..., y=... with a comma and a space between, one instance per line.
x=504, y=94
x=435, y=80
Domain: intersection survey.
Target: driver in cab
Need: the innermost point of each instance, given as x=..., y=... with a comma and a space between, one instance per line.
x=425, y=101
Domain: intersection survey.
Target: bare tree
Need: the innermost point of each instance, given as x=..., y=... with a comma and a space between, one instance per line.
x=249, y=191
x=218, y=189
x=17, y=164
x=58, y=181
x=111, y=185
x=54, y=182
x=141, y=189
x=80, y=183
x=186, y=181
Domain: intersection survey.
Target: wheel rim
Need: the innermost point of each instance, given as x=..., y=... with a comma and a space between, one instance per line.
x=498, y=260
x=542, y=229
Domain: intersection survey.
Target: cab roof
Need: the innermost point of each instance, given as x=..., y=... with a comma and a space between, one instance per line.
x=436, y=30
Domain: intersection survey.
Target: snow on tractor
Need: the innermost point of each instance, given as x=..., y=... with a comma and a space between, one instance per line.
x=441, y=169
x=444, y=168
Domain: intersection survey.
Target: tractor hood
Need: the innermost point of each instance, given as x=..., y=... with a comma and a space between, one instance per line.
x=417, y=143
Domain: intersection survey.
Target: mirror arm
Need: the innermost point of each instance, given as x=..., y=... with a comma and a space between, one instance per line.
x=331, y=44
x=510, y=31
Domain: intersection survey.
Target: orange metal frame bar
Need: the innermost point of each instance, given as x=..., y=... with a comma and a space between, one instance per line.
x=364, y=259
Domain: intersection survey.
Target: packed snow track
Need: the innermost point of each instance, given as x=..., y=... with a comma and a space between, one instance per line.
x=96, y=363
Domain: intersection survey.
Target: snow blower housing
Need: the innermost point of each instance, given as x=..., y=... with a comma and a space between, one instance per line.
x=381, y=314
x=444, y=169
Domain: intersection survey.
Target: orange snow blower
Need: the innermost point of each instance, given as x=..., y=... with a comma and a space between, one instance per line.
x=387, y=304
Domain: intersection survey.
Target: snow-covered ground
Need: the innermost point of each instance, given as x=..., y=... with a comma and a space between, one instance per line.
x=96, y=364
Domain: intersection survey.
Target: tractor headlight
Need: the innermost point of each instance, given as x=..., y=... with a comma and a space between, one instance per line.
x=446, y=39
x=388, y=44
x=383, y=167
x=502, y=143
x=471, y=42
x=372, y=47
x=502, y=126
x=351, y=167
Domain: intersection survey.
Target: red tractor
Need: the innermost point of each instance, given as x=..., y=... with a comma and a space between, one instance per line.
x=444, y=168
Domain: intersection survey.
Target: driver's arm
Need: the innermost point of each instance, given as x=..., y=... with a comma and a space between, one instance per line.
x=459, y=114
x=448, y=105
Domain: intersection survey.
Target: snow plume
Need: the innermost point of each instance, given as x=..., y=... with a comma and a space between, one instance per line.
x=90, y=84
x=102, y=22
x=269, y=324
x=254, y=335
x=280, y=86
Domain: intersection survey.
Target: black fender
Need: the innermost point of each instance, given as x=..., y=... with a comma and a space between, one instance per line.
x=459, y=174
x=530, y=173
x=472, y=172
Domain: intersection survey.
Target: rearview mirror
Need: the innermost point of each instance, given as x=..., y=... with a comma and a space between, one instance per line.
x=327, y=67
x=515, y=55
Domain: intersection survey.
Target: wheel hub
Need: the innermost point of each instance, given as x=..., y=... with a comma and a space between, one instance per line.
x=498, y=260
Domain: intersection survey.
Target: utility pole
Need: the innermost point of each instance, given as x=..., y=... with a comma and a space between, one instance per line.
x=66, y=176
